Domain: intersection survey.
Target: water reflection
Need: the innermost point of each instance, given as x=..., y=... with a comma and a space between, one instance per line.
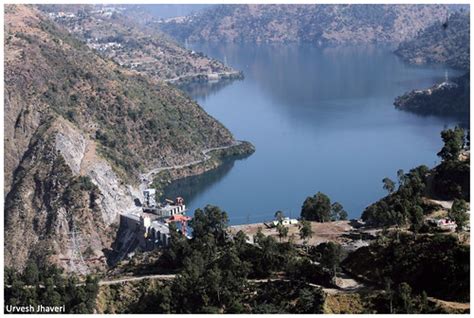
x=190, y=187
x=203, y=90
x=321, y=119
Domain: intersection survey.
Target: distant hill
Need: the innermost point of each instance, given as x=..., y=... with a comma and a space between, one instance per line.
x=79, y=129
x=446, y=41
x=165, y=11
x=336, y=24
x=117, y=32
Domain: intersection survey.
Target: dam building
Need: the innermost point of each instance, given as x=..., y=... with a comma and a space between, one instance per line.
x=149, y=228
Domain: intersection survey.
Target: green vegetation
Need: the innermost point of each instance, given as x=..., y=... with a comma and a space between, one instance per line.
x=338, y=212
x=458, y=213
x=305, y=230
x=329, y=255
x=402, y=300
x=401, y=206
x=406, y=205
x=310, y=23
x=47, y=286
x=451, y=99
x=318, y=208
x=388, y=185
x=136, y=46
x=134, y=119
x=453, y=144
x=444, y=42
x=282, y=231
x=216, y=272
x=451, y=177
x=437, y=264
x=218, y=158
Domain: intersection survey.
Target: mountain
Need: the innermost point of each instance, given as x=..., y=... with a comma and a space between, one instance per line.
x=117, y=32
x=78, y=131
x=165, y=11
x=446, y=41
x=448, y=98
x=334, y=24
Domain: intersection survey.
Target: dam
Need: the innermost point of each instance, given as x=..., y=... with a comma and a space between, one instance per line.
x=149, y=228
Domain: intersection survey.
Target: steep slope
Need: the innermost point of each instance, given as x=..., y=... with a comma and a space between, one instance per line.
x=79, y=129
x=336, y=24
x=446, y=41
x=118, y=34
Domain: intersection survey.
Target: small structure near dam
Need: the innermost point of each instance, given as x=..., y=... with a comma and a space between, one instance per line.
x=149, y=228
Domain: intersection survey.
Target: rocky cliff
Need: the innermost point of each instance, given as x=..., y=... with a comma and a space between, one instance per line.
x=336, y=24
x=445, y=41
x=79, y=130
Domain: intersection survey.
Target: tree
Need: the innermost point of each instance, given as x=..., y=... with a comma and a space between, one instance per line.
x=458, y=213
x=330, y=256
x=389, y=293
x=338, y=212
x=178, y=248
x=388, y=185
x=310, y=301
x=404, y=299
x=343, y=215
x=417, y=218
x=453, y=144
x=279, y=216
x=317, y=208
x=282, y=231
x=31, y=273
x=210, y=221
x=305, y=230
x=401, y=177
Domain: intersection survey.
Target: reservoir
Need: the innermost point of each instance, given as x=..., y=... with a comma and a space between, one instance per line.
x=321, y=119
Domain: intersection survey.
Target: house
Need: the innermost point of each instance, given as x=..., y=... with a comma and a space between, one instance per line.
x=284, y=221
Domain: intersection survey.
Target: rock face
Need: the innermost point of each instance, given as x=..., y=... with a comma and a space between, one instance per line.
x=335, y=24
x=447, y=98
x=79, y=130
x=51, y=215
x=79, y=154
x=446, y=41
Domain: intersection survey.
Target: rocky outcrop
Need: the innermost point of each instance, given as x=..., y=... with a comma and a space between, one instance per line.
x=51, y=215
x=79, y=154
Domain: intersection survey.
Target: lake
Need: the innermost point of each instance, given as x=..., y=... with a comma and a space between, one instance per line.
x=321, y=119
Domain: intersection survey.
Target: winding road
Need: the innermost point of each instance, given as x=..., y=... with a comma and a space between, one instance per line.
x=146, y=178
x=138, y=278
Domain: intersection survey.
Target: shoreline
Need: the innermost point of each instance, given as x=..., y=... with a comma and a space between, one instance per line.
x=205, y=77
x=213, y=158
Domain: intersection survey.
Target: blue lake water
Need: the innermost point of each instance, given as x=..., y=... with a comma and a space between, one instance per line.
x=321, y=119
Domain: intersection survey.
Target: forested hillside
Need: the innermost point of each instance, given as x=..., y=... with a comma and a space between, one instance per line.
x=446, y=41
x=335, y=24
x=79, y=129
